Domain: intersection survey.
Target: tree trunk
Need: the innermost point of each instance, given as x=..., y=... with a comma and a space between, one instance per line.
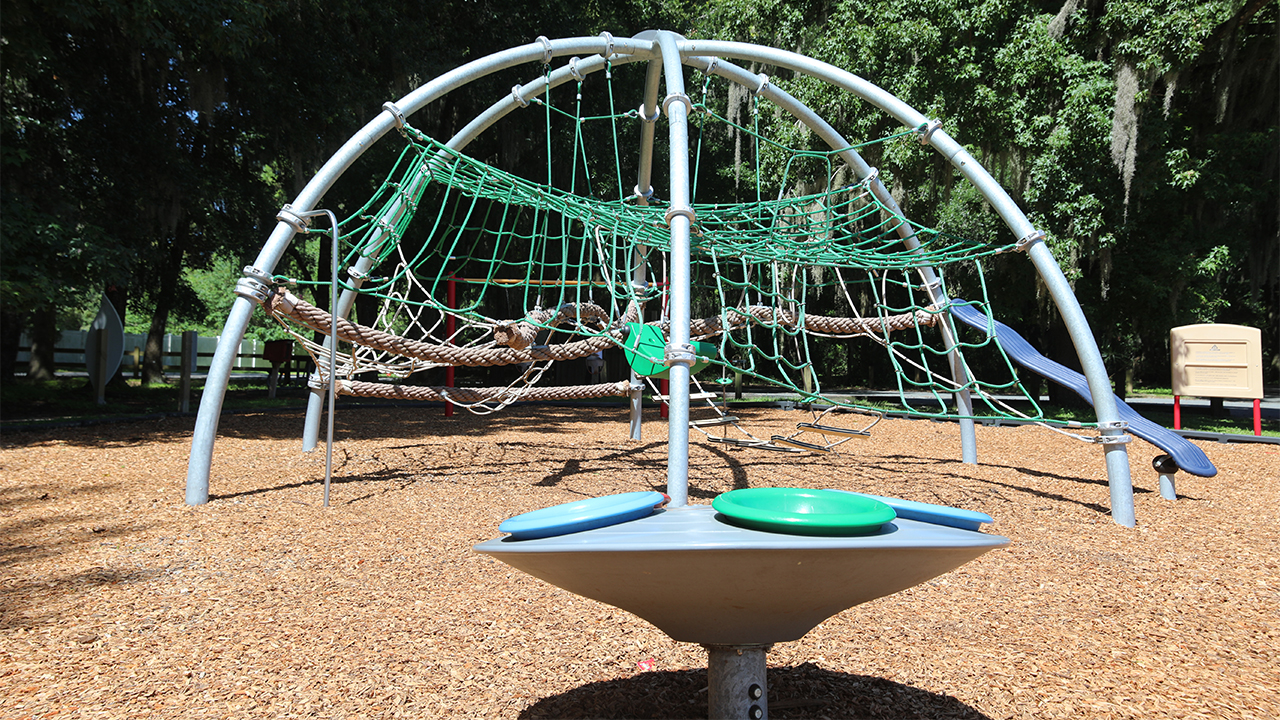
x=153, y=352
x=166, y=293
x=44, y=336
x=10, y=338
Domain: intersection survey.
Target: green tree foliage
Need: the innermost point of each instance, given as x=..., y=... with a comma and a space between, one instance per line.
x=117, y=124
x=144, y=143
x=1141, y=136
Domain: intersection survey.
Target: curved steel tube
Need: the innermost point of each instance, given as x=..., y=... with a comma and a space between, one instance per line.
x=674, y=50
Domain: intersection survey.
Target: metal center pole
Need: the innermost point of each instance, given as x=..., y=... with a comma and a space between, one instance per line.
x=737, y=687
x=679, y=351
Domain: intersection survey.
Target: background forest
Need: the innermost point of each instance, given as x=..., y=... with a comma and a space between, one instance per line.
x=147, y=145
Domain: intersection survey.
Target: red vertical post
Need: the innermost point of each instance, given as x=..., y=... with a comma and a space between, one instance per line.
x=450, y=327
x=1257, y=416
x=1177, y=412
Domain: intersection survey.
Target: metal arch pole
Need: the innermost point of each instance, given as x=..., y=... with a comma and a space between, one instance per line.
x=1112, y=431
x=679, y=351
x=483, y=121
x=201, y=460
x=644, y=191
x=833, y=138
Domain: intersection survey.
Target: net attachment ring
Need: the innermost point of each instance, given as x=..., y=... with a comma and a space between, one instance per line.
x=646, y=195
x=546, y=49
x=676, y=97
x=681, y=211
x=255, y=285
x=290, y=217
x=1030, y=237
x=515, y=95
x=1119, y=439
x=396, y=112
x=608, y=45
x=680, y=355
x=657, y=113
x=928, y=129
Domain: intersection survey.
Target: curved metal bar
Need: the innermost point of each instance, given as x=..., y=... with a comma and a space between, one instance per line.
x=1073, y=317
x=206, y=429
x=865, y=173
x=671, y=47
x=391, y=215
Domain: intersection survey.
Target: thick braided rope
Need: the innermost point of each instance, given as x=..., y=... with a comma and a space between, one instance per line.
x=844, y=325
x=289, y=305
x=708, y=327
x=285, y=303
x=521, y=335
x=467, y=396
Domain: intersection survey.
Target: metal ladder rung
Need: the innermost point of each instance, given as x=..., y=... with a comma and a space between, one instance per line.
x=829, y=430
x=799, y=444
x=712, y=422
x=692, y=396
x=738, y=442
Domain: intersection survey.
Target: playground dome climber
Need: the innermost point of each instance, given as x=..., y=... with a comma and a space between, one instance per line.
x=781, y=244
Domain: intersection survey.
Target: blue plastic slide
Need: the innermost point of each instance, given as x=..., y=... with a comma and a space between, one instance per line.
x=1188, y=457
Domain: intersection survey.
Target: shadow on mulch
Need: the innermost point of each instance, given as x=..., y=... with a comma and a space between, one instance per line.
x=804, y=691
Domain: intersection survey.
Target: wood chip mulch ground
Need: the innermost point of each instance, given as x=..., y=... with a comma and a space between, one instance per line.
x=117, y=600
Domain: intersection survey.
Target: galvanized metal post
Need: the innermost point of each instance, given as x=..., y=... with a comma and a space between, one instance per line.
x=679, y=351
x=737, y=682
x=643, y=193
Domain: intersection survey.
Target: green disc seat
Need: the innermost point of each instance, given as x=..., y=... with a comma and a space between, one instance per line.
x=798, y=511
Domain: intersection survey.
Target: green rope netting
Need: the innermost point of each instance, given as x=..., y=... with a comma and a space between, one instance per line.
x=517, y=247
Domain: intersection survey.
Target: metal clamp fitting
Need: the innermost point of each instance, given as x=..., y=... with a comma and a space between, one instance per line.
x=764, y=82
x=255, y=285
x=356, y=275
x=289, y=217
x=646, y=195
x=395, y=111
x=546, y=49
x=928, y=129
x=574, y=71
x=680, y=355
x=870, y=178
x=656, y=114
x=680, y=210
x=1120, y=439
x=711, y=66
x=1113, y=439
x=608, y=45
x=677, y=97
x=1031, y=237
x=515, y=95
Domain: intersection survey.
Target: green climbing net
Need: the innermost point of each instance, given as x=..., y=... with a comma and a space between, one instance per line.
x=783, y=281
